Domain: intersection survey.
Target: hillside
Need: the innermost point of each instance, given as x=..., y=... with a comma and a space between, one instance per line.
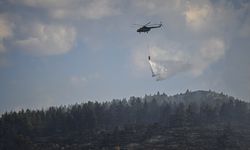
x=201, y=120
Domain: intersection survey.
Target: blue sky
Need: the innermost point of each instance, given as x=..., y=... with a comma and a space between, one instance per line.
x=59, y=53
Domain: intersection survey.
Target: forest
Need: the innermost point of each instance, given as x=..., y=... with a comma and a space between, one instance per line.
x=203, y=120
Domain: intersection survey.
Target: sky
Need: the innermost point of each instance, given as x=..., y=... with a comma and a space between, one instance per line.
x=59, y=53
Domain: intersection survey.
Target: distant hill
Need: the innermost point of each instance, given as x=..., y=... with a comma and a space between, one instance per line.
x=200, y=96
x=201, y=120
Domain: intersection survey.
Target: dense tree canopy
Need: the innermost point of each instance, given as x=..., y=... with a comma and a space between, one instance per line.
x=97, y=125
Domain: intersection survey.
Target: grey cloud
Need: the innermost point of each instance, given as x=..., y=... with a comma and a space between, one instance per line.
x=74, y=9
x=32, y=33
x=95, y=9
x=244, y=31
x=42, y=3
x=203, y=40
x=201, y=30
x=3, y=62
x=42, y=27
x=159, y=7
x=232, y=74
x=6, y=33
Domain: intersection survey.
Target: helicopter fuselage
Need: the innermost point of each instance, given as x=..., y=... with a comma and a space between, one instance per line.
x=144, y=29
x=147, y=29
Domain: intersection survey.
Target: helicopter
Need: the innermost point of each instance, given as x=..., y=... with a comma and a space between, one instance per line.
x=147, y=27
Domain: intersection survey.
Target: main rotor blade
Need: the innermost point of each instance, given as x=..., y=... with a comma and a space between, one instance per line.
x=156, y=24
x=138, y=24
x=147, y=23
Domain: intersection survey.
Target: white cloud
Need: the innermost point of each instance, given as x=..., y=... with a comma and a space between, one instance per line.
x=169, y=55
x=210, y=52
x=76, y=80
x=5, y=31
x=5, y=27
x=83, y=80
x=179, y=59
x=43, y=39
x=198, y=16
x=175, y=60
x=221, y=18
